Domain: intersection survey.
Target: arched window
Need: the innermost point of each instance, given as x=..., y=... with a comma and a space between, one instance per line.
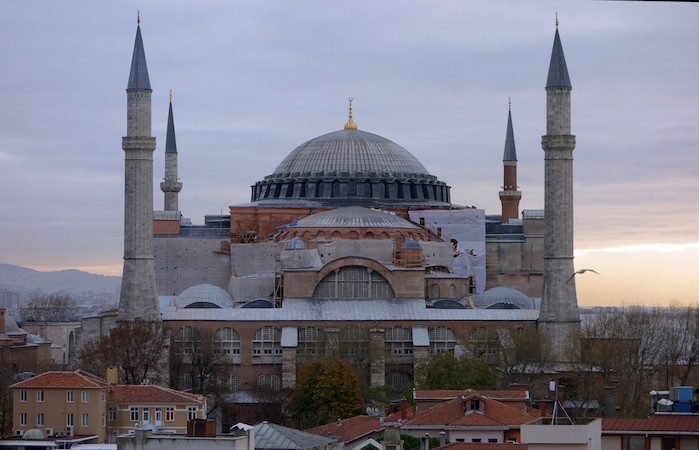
x=442, y=339
x=267, y=346
x=367, y=189
x=336, y=189
x=434, y=291
x=187, y=342
x=311, y=343
x=352, y=188
x=485, y=344
x=398, y=380
x=354, y=282
x=184, y=381
x=355, y=343
x=399, y=345
x=452, y=291
x=227, y=343
x=268, y=381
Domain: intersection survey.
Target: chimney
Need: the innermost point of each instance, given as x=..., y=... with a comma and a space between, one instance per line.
x=390, y=409
x=609, y=402
x=542, y=408
x=442, y=438
x=403, y=409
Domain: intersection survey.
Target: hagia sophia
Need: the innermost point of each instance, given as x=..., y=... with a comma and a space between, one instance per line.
x=349, y=248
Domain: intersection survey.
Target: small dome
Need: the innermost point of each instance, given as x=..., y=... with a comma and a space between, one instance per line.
x=354, y=217
x=33, y=434
x=503, y=295
x=295, y=244
x=411, y=244
x=204, y=294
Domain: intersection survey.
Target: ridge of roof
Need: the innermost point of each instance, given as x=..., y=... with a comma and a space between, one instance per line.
x=149, y=393
x=61, y=379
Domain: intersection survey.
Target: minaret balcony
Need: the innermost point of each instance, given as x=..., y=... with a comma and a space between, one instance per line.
x=510, y=193
x=170, y=186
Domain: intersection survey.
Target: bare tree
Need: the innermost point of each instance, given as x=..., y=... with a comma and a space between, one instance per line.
x=525, y=356
x=50, y=308
x=136, y=348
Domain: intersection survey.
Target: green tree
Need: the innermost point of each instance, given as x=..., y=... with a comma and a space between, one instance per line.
x=326, y=390
x=445, y=371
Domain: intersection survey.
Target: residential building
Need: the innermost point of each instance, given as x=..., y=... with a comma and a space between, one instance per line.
x=351, y=433
x=62, y=404
x=661, y=431
x=136, y=406
x=472, y=417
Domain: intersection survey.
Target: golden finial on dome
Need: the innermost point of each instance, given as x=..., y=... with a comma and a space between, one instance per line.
x=350, y=125
x=138, y=17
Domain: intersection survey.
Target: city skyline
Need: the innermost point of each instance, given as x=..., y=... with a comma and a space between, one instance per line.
x=253, y=81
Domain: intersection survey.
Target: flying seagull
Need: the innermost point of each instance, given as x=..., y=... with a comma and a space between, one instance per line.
x=581, y=271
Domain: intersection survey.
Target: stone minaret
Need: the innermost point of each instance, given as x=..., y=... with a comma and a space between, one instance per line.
x=559, y=316
x=510, y=196
x=138, y=293
x=171, y=186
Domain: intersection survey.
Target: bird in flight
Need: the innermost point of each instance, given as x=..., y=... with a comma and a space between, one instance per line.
x=581, y=271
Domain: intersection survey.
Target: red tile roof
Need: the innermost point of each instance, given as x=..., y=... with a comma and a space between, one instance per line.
x=396, y=416
x=150, y=394
x=657, y=422
x=453, y=413
x=76, y=379
x=347, y=430
x=424, y=394
x=482, y=446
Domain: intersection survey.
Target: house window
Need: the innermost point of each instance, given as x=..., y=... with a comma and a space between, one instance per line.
x=104, y=396
x=268, y=381
x=475, y=440
x=23, y=419
x=40, y=396
x=634, y=443
x=23, y=396
x=146, y=414
x=134, y=413
x=85, y=420
x=170, y=414
x=40, y=419
x=85, y=396
x=104, y=421
x=267, y=346
x=112, y=413
x=69, y=420
x=493, y=440
x=191, y=412
x=158, y=415
x=70, y=396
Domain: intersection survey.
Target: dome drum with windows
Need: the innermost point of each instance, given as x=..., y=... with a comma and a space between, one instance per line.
x=351, y=167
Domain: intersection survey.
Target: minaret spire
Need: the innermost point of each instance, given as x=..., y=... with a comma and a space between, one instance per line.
x=171, y=186
x=510, y=196
x=138, y=297
x=559, y=316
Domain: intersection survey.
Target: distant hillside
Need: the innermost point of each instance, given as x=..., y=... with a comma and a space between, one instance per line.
x=68, y=281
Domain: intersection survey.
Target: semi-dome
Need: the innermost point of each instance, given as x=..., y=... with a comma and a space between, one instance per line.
x=503, y=298
x=351, y=167
x=204, y=296
x=354, y=217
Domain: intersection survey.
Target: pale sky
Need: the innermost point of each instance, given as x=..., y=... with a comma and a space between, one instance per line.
x=252, y=80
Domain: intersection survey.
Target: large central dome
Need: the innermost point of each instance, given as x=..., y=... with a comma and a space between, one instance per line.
x=347, y=168
x=352, y=152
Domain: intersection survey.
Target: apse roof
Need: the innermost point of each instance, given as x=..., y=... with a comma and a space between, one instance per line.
x=349, y=151
x=204, y=293
x=503, y=295
x=354, y=217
